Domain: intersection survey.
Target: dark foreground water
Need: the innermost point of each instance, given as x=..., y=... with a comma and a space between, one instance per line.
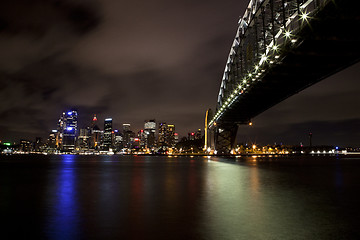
x=133, y=197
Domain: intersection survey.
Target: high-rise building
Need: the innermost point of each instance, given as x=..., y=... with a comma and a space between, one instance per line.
x=191, y=136
x=25, y=145
x=128, y=135
x=170, y=135
x=38, y=145
x=162, y=136
x=95, y=134
x=52, y=140
x=118, y=140
x=107, y=133
x=84, y=138
x=95, y=137
x=68, y=125
x=93, y=122
x=126, y=127
x=176, y=138
x=149, y=133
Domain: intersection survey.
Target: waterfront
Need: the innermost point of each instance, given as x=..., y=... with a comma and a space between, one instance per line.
x=159, y=197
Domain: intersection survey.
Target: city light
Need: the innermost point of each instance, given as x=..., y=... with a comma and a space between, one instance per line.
x=287, y=34
x=304, y=16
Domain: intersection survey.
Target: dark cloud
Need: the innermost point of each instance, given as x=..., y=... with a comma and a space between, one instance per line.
x=135, y=60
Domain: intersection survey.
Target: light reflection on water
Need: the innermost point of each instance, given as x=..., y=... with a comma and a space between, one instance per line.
x=63, y=202
x=146, y=197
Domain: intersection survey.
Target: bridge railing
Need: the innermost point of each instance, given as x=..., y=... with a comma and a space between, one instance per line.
x=266, y=32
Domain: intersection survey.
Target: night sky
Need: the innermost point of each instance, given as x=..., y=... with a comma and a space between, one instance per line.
x=137, y=60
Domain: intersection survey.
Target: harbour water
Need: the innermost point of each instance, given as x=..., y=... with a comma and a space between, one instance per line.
x=159, y=197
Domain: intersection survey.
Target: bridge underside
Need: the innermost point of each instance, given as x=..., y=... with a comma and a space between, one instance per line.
x=330, y=43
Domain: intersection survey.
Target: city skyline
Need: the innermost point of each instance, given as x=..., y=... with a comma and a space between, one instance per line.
x=163, y=61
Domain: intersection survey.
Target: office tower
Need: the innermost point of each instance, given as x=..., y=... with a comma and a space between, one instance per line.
x=38, y=145
x=52, y=140
x=149, y=130
x=128, y=135
x=118, y=140
x=191, y=136
x=68, y=127
x=93, y=121
x=176, y=138
x=142, y=138
x=25, y=145
x=162, y=134
x=170, y=135
x=84, y=138
x=95, y=137
x=95, y=134
x=107, y=133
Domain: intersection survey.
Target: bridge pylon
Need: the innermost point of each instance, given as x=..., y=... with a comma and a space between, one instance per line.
x=224, y=137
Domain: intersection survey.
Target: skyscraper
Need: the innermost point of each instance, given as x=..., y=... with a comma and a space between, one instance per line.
x=170, y=136
x=128, y=135
x=68, y=127
x=149, y=133
x=84, y=138
x=52, y=140
x=108, y=133
x=162, y=134
x=95, y=134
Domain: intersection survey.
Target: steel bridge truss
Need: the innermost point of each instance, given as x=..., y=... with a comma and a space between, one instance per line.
x=268, y=31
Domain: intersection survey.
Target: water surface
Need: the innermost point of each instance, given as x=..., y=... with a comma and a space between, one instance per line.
x=153, y=197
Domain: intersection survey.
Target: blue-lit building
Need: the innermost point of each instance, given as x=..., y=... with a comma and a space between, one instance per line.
x=68, y=126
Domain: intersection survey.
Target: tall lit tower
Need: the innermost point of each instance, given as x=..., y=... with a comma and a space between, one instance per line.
x=127, y=135
x=150, y=130
x=94, y=121
x=108, y=133
x=69, y=125
x=162, y=134
x=170, y=135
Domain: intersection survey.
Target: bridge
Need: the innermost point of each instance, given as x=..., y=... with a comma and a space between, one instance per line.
x=281, y=47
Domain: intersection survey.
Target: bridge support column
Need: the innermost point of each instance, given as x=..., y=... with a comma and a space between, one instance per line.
x=225, y=135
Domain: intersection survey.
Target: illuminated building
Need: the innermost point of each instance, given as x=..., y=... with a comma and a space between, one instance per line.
x=170, y=135
x=126, y=127
x=118, y=140
x=142, y=137
x=38, y=145
x=84, y=138
x=128, y=136
x=191, y=136
x=95, y=138
x=107, y=133
x=162, y=134
x=25, y=145
x=69, y=125
x=176, y=138
x=93, y=121
x=51, y=142
x=149, y=130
